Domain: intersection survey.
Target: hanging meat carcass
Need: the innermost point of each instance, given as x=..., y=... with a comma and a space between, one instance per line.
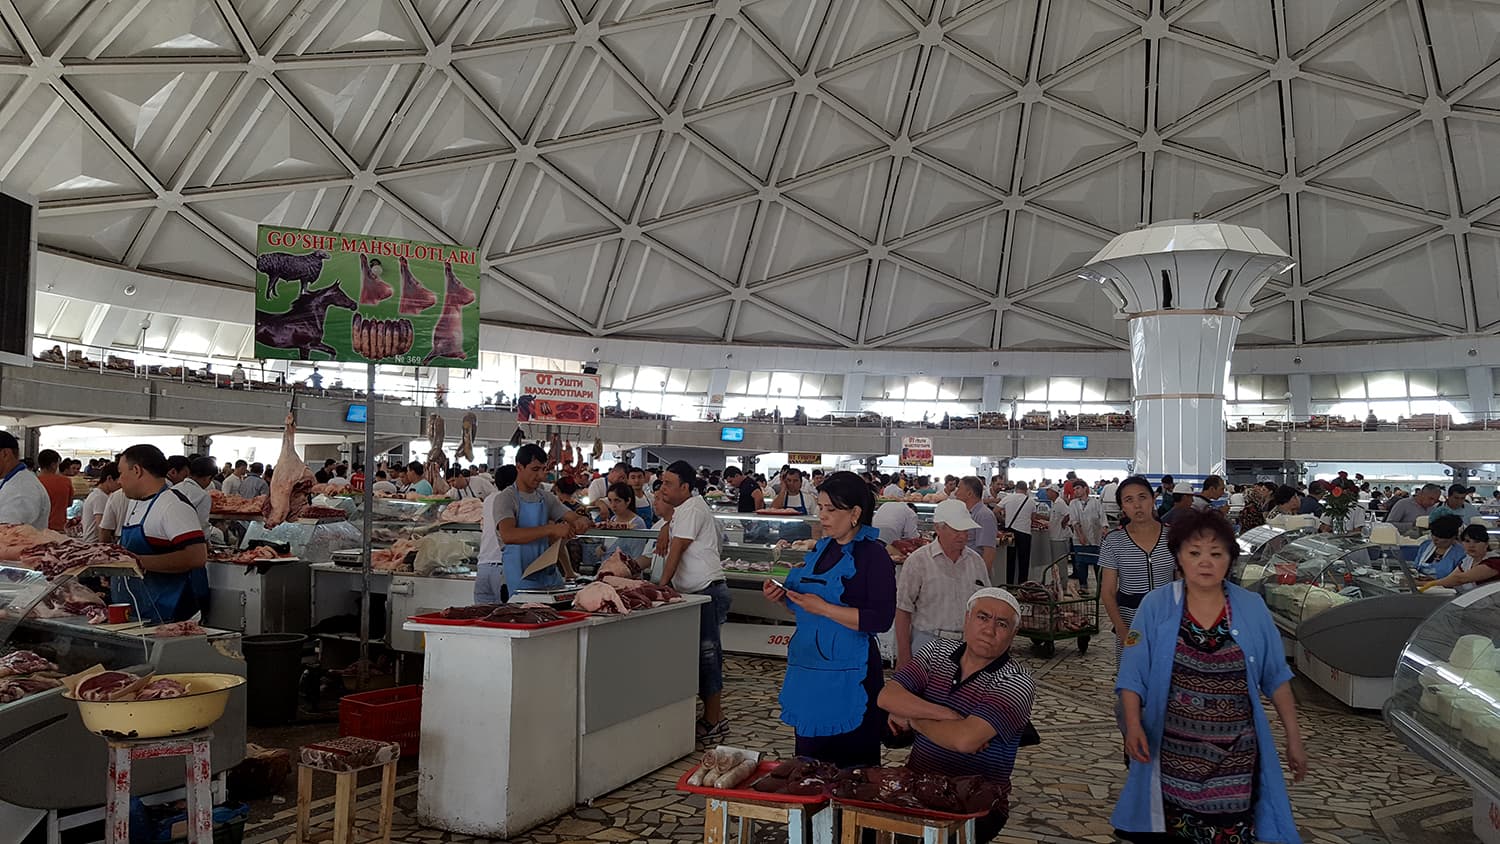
x=291, y=482
x=437, y=459
x=466, y=443
x=567, y=454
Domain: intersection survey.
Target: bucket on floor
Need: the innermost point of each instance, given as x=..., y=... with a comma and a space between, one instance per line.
x=385, y=715
x=273, y=667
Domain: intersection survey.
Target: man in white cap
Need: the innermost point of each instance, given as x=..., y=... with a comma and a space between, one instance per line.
x=968, y=703
x=933, y=589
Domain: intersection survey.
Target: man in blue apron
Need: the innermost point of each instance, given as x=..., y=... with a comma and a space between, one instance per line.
x=530, y=520
x=792, y=497
x=161, y=530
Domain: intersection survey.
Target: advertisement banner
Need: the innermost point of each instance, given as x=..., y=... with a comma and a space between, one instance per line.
x=805, y=458
x=558, y=398
x=916, y=451
x=362, y=299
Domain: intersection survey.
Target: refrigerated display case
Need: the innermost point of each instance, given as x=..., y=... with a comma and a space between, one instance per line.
x=1445, y=703
x=42, y=732
x=1345, y=608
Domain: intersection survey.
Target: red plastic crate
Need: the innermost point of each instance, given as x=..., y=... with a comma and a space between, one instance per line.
x=385, y=715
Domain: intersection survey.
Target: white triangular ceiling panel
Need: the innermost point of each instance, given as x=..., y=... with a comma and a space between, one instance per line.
x=1058, y=142
x=787, y=241
x=182, y=248
x=1192, y=77
x=441, y=123
x=103, y=234
x=863, y=26
x=1021, y=330
x=1422, y=282
x=660, y=56
x=1246, y=131
x=1001, y=34
x=515, y=82
x=380, y=26
x=714, y=241
x=689, y=178
x=1484, y=261
x=878, y=90
x=1186, y=189
x=503, y=304
x=1110, y=88
x=853, y=198
x=750, y=134
x=1270, y=326
x=1389, y=35
x=541, y=210
x=512, y=19
x=54, y=155
x=902, y=298
x=649, y=282
x=822, y=136
x=1331, y=119
x=613, y=171
x=975, y=332
x=1407, y=168
x=265, y=141
x=239, y=216
x=792, y=25
x=1244, y=26
x=160, y=116
x=173, y=28
x=1080, y=28
x=1110, y=199
x=971, y=252
x=1045, y=248
x=705, y=323
x=1466, y=39
x=831, y=298
x=371, y=213
x=598, y=99
x=1308, y=22
x=574, y=278
x=1336, y=233
x=951, y=87
x=354, y=104
x=926, y=196
x=736, y=66
x=458, y=201
x=1331, y=324
x=984, y=147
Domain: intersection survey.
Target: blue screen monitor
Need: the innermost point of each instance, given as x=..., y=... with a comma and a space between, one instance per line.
x=730, y=434
x=356, y=413
x=1074, y=442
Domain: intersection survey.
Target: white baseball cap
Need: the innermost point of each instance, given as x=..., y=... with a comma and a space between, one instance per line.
x=954, y=514
x=998, y=594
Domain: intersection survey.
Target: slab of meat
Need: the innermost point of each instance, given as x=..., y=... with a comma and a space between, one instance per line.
x=372, y=288
x=415, y=297
x=290, y=484
x=107, y=685
x=469, y=612
x=600, y=597
x=15, y=539
x=317, y=511
x=448, y=331
x=470, y=426
x=14, y=688
x=523, y=614
x=70, y=599
x=161, y=689
x=23, y=662
x=398, y=556
x=177, y=629
x=249, y=556
x=53, y=559
x=642, y=595
x=464, y=510
x=234, y=505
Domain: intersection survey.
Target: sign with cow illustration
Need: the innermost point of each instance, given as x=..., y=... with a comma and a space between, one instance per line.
x=558, y=398
x=363, y=299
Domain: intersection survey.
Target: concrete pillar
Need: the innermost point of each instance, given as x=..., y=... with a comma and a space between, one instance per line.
x=1481, y=390
x=991, y=402
x=197, y=444
x=1185, y=286
x=854, y=393
x=1299, y=384
x=718, y=384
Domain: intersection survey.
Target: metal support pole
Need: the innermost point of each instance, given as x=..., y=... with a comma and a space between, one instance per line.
x=364, y=583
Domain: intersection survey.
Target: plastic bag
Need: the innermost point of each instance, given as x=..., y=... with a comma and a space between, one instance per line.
x=440, y=550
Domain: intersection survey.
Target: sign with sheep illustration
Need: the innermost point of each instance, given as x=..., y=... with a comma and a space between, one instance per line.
x=365, y=299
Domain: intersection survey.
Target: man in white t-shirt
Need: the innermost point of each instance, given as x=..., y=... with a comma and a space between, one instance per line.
x=1088, y=525
x=599, y=487
x=480, y=482
x=895, y=520
x=234, y=480
x=23, y=499
x=694, y=566
x=1107, y=496
x=180, y=476
x=892, y=489
x=98, y=499
x=1014, y=515
x=114, y=516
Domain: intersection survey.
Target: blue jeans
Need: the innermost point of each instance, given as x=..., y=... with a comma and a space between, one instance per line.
x=489, y=584
x=711, y=617
x=1084, y=558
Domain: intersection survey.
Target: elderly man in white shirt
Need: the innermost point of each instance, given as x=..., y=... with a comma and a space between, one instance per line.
x=895, y=520
x=933, y=588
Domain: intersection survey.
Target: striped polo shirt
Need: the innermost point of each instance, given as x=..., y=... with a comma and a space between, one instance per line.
x=1000, y=693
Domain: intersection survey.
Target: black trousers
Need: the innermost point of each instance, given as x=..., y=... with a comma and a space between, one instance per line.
x=989, y=826
x=1018, y=560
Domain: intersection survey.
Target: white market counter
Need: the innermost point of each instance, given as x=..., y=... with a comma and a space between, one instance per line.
x=519, y=726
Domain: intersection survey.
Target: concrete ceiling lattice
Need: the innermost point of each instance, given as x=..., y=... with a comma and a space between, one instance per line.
x=903, y=174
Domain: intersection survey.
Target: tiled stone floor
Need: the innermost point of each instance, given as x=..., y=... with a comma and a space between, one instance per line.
x=1364, y=787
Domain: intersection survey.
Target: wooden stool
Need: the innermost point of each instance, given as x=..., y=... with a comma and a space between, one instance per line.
x=193, y=747
x=888, y=825
x=345, y=758
x=805, y=823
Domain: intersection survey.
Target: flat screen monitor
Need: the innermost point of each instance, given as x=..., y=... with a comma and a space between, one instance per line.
x=1075, y=442
x=730, y=434
x=357, y=413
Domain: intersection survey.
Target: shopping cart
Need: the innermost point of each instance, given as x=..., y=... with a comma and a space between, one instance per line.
x=1049, y=615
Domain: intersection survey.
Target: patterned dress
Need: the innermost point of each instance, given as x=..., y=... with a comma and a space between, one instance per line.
x=1208, y=747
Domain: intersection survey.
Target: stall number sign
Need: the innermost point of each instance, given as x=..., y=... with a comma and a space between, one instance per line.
x=559, y=398
x=916, y=451
x=804, y=458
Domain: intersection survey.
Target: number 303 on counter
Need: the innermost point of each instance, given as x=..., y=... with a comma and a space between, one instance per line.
x=778, y=640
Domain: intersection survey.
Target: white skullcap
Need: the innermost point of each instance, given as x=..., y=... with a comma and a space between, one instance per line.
x=998, y=594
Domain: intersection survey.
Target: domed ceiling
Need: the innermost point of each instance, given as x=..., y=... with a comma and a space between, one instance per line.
x=910, y=174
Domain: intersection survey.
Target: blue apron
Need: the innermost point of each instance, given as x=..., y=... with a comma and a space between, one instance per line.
x=824, y=694
x=533, y=514
x=158, y=597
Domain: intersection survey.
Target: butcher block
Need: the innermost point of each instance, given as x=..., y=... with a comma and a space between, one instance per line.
x=502, y=708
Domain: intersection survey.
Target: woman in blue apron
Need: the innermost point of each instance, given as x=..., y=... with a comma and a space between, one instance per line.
x=841, y=595
x=173, y=588
x=793, y=497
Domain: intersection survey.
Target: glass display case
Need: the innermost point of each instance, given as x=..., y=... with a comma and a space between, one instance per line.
x=1445, y=703
x=1318, y=572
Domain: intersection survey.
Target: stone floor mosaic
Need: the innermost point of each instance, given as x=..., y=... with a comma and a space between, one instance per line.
x=1364, y=787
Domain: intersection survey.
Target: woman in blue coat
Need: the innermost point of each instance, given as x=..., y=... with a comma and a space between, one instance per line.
x=1200, y=654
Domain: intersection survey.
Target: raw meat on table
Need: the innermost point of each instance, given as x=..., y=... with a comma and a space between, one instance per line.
x=70, y=555
x=223, y=504
x=161, y=689
x=14, y=688
x=599, y=597
x=178, y=629
x=69, y=599
x=24, y=662
x=109, y=685
x=463, y=511
x=15, y=539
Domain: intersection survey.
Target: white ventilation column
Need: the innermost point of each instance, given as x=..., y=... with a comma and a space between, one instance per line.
x=1184, y=286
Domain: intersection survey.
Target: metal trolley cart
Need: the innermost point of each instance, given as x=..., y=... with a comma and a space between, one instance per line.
x=1047, y=618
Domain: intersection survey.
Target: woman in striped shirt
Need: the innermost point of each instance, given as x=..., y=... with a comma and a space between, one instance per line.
x=1133, y=559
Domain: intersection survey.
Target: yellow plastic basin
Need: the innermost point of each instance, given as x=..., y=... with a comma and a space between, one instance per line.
x=207, y=695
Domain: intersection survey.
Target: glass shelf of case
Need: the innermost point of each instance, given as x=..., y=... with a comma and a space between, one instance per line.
x=1315, y=573
x=1445, y=702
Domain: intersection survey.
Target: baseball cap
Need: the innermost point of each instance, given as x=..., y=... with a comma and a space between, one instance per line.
x=1460, y=489
x=998, y=594
x=954, y=514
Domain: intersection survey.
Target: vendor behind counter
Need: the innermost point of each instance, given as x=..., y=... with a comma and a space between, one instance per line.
x=161, y=530
x=23, y=499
